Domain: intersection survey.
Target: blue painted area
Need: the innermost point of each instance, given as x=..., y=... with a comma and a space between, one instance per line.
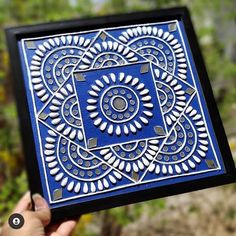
x=86, y=95
x=116, y=118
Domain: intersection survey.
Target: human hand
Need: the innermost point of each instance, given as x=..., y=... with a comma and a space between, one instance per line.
x=37, y=223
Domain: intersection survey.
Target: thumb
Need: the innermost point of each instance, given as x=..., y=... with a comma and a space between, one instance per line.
x=42, y=210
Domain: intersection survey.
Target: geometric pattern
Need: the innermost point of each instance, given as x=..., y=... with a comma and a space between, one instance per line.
x=116, y=109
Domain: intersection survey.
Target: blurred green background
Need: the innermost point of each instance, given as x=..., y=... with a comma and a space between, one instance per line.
x=206, y=212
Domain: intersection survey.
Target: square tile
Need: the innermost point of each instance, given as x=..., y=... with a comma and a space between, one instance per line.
x=119, y=105
x=118, y=112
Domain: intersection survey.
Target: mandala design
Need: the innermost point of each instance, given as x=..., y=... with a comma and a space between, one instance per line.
x=55, y=57
x=133, y=157
x=76, y=169
x=107, y=54
x=158, y=46
x=185, y=148
x=117, y=110
x=62, y=114
x=119, y=104
x=173, y=95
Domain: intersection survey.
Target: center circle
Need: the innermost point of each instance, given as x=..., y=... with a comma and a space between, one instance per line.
x=119, y=104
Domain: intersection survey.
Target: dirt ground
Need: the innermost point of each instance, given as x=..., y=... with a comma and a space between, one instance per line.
x=210, y=212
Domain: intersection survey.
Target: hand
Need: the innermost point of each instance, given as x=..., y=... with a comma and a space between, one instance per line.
x=37, y=223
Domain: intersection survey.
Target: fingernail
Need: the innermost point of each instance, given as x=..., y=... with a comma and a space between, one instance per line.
x=39, y=201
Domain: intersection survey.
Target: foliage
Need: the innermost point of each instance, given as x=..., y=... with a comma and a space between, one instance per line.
x=128, y=214
x=81, y=228
x=10, y=193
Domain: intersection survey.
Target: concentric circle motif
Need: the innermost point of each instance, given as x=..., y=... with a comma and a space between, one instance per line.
x=76, y=169
x=132, y=157
x=64, y=114
x=158, y=46
x=119, y=104
x=172, y=96
x=186, y=147
x=55, y=57
x=107, y=54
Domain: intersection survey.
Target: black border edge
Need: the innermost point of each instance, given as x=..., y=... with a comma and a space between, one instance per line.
x=208, y=91
x=15, y=33
x=24, y=120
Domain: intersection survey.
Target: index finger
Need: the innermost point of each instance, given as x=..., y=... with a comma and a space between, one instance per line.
x=66, y=227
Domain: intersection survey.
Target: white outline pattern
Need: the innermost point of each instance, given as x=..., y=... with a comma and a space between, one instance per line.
x=139, y=162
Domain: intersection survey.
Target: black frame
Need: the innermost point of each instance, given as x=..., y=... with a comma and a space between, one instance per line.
x=17, y=33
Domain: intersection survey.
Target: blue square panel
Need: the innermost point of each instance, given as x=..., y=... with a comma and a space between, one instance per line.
x=118, y=111
x=117, y=108
x=119, y=104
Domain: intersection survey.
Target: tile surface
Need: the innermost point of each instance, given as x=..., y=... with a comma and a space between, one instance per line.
x=117, y=110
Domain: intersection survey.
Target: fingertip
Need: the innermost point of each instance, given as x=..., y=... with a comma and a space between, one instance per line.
x=55, y=234
x=67, y=227
x=71, y=223
x=39, y=202
x=42, y=209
